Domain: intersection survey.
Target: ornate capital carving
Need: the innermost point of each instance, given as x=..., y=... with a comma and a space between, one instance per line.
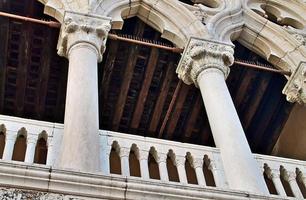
x=198, y=163
x=124, y=152
x=180, y=160
x=80, y=28
x=201, y=54
x=143, y=155
x=295, y=89
x=162, y=158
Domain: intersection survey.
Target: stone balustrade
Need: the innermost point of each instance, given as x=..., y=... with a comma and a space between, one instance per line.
x=142, y=160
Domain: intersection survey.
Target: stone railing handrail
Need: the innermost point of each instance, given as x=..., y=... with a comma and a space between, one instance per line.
x=275, y=168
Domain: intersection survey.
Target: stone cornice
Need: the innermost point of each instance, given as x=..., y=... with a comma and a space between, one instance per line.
x=295, y=89
x=201, y=54
x=78, y=28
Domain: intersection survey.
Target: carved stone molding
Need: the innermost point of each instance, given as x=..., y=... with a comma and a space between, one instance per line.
x=295, y=89
x=78, y=28
x=9, y=194
x=202, y=54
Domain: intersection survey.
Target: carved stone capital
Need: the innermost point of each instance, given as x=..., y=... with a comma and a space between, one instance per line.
x=201, y=54
x=78, y=28
x=180, y=160
x=124, y=152
x=143, y=155
x=162, y=158
x=295, y=89
x=198, y=163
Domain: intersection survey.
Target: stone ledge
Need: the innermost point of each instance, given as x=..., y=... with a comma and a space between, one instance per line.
x=44, y=179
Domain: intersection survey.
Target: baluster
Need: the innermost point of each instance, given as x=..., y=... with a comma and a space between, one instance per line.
x=274, y=175
x=180, y=164
x=162, y=165
x=291, y=178
x=198, y=166
x=124, y=157
x=10, y=139
x=31, y=146
x=144, y=168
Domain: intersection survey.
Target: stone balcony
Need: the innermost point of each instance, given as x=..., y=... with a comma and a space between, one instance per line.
x=133, y=167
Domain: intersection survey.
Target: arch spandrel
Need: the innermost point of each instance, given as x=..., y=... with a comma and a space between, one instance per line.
x=171, y=18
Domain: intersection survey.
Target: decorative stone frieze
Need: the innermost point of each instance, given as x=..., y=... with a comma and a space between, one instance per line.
x=296, y=87
x=202, y=54
x=78, y=28
x=9, y=194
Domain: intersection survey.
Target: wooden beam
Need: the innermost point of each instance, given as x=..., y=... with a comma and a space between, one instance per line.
x=44, y=75
x=255, y=101
x=153, y=59
x=108, y=69
x=4, y=35
x=24, y=54
x=127, y=78
x=192, y=119
x=177, y=110
x=158, y=109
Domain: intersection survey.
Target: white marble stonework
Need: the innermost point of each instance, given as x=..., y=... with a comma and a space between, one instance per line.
x=82, y=41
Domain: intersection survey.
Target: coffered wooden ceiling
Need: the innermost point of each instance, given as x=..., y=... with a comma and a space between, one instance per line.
x=137, y=85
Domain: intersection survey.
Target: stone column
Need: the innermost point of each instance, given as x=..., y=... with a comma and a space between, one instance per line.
x=206, y=64
x=124, y=157
x=198, y=167
x=105, y=150
x=10, y=138
x=274, y=175
x=180, y=164
x=82, y=41
x=31, y=146
x=162, y=165
x=294, y=186
x=144, y=168
x=50, y=153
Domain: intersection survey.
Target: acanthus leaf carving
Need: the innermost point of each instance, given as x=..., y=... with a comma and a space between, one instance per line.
x=295, y=89
x=83, y=28
x=202, y=54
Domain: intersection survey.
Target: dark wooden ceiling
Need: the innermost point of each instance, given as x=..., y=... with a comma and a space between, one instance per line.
x=136, y=85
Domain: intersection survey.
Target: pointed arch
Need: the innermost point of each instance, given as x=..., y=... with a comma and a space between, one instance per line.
x=171, y=167
x=114, y=159
x=41, y=149
x=190, y=171
x=153, y=165
x=134, y=164
x=2, y=139
x=208, y=175
x=20, y=145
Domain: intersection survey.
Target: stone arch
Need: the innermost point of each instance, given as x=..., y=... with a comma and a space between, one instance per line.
x=134, y=164
x=190, y=170
x=2, y=139
x=284, y=51
x=208, y=175
x=153, y=164
x=284, y=176
x=20, y=145
x=299, y=180
x=161, y=15
x=41, y=149
x=171, y=18
x=267, y=173
x=114, y=159
x=172, y=167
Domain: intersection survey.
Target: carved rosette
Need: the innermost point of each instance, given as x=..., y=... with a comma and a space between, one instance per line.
x=296, y=86
x=78, y=28
x=201, y=54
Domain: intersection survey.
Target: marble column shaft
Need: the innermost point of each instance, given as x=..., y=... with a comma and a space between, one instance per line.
x=82, y=41
x=206, y=64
